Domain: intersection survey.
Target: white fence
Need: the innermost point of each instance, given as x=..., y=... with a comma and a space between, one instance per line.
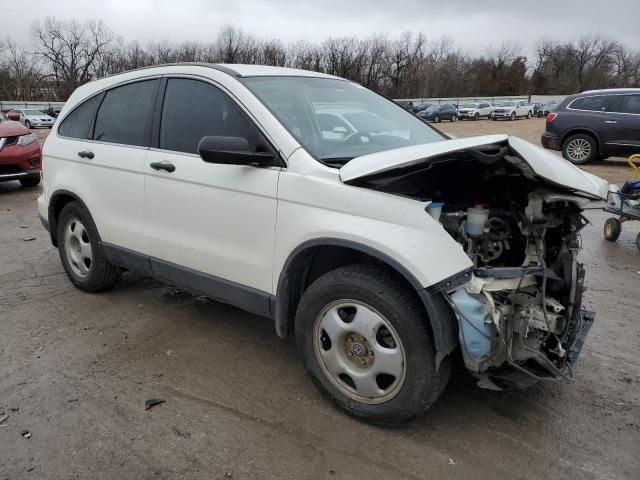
x=9, y=104
x=491, y=100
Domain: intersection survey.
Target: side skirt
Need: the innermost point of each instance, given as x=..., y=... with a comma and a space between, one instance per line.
x=220, y=289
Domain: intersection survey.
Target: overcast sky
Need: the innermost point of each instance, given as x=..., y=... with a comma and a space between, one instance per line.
x=474, y=24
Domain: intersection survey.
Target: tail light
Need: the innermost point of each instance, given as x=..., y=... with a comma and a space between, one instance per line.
x=551, y=117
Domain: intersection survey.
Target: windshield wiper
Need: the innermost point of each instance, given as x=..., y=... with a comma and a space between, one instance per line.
x=336, y=161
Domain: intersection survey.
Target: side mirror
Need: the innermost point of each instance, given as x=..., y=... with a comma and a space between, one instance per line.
x=233, y=151
x=13, y=116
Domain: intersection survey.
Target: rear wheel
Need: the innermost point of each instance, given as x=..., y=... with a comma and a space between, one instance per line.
x=30, y=181
x=80, y=252
x=365, y=341
x=612, y=229
x=579, y=148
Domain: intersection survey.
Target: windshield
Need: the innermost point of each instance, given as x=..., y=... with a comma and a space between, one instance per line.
x=33, y=112
x=337, y=120
x=507, y=104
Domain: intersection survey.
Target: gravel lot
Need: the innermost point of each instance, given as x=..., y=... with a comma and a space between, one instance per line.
x=76, y=369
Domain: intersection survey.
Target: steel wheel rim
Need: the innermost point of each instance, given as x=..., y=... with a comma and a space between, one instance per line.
x=77, y=247
x=359, y=351
x=579, y=149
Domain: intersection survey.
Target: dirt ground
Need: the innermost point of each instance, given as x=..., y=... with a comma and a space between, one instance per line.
x=76, y=369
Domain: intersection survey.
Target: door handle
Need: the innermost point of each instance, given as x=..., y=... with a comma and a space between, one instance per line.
x=86, y=154
x=610, y=121
x=169, y=167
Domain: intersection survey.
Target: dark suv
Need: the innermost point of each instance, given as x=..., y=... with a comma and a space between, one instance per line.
x=594, y=125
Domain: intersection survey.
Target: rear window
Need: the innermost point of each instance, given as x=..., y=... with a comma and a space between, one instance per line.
x=596, y=104
x=78, y=123
x=124, y=113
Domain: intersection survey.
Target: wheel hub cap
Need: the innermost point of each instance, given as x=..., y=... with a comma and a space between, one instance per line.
x=77, y=247
x=359, y=351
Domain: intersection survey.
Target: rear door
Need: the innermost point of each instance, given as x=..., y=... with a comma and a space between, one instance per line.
x=628, y=126
x=211, y=226
x=109, y=171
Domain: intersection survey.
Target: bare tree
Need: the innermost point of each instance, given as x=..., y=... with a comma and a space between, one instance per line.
x=70, y=49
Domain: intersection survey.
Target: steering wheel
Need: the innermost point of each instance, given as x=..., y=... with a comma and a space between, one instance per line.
x=356, y=138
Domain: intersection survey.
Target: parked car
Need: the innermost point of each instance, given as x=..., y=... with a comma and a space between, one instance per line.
x=34, y=118
x=437, y=113
x=512, y=110
x=537, y=109
x=475, y=111
x=217, y=178
x=406, y=104
x=19, y=153
x=595, y=124
x=53, y=111
x=421, y=107
x=547, y=108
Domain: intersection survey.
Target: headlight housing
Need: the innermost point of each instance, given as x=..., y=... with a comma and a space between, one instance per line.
x=27, y=139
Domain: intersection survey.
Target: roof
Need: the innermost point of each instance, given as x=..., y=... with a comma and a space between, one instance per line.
x=611, y=90
x=244, y=70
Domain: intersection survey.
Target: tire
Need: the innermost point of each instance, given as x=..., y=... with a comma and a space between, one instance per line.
x=495, y=119
x=30, y=181
x=612, y=229
x=454, y=118
x=528, y=114
x=513, y=116
x=77, y=230
x=436, y=119
x=580, y=148
x=476, y=116
x=27, y=124
x=638, y=241
x=402, y=322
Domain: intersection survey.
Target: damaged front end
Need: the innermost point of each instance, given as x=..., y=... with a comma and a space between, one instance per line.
x=516, y=210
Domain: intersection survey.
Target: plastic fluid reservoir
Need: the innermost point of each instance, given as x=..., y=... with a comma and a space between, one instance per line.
x=477, y=217
x=475, y=334
x=435, y=210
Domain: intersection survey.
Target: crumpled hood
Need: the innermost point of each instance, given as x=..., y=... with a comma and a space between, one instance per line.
x=544, y=163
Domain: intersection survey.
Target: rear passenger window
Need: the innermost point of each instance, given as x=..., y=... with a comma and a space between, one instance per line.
x=631, y=104
x=598, y=103
x=193, y=109
x=124, y=113
x=79, y=122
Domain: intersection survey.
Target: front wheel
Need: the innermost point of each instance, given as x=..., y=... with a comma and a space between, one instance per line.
x=513, y=116
x=27, y=124
x=638, y=241
x=454, y=118
x=80, y=252
x=30, y=181
x=528, y=114
x=476, y=116
x=365, y=341
x=436, y=119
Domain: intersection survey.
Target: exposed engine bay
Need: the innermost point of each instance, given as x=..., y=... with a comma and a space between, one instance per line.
x=520, y=315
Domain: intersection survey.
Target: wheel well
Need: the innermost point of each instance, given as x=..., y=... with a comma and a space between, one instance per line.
x=310, y=264
x=56, y=204
x=584, y=132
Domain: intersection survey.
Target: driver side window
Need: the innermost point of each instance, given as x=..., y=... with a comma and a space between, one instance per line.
x=193, y=109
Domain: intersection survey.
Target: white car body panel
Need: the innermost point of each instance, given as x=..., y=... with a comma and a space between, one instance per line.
x=543, y=162
x=520, y=110
x=314, y=204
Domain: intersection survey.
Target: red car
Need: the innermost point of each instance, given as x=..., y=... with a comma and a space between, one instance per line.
x=20, y=155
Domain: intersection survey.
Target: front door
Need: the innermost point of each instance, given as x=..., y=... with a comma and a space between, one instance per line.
x=211, y=226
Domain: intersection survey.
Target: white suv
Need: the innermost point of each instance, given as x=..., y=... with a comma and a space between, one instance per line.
x=381, y=249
